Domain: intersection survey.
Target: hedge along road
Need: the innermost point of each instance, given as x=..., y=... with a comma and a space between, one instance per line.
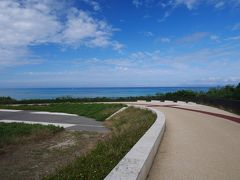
x=197, y=145
x=69, y=121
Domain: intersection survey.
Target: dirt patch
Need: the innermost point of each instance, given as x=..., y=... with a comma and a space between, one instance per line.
x=37, y=159
x=63, y=145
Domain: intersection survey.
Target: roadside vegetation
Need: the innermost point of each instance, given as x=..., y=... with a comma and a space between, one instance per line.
x=97, y=111
x=229, y=92
x=227, y=98
x=127, y=128
x=18, y=133
x=38, y=158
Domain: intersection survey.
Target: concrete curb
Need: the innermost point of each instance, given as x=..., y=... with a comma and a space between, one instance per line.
x=64, y=125
x=138, y=161
x=52, y=113
x=120, y=110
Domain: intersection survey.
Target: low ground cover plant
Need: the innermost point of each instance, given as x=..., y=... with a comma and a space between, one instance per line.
x=93, y=110
x=17, y=133
x=127, y=128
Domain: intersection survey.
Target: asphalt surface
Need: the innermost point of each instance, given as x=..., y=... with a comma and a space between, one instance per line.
x=79, y=123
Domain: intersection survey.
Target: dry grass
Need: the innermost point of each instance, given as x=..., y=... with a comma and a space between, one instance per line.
x=127, y=128
x=19, y=133
x=36, y=159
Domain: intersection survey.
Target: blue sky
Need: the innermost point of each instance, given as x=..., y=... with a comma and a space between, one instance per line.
x=90, y=43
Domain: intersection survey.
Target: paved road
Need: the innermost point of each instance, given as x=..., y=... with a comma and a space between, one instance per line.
x=197, y=146
x=70, y=121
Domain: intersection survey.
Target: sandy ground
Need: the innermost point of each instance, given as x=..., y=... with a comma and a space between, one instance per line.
x=197, y=146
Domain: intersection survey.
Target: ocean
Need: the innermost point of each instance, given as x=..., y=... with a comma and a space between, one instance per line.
x=47, y=93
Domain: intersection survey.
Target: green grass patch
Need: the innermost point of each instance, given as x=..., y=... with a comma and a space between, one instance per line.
x=127, y=128
x=17, y=133
x=97, y=111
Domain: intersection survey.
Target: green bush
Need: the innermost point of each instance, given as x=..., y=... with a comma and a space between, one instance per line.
x=7, y=100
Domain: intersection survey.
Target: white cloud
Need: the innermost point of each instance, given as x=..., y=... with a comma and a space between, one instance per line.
x=219, y=4
x=234, y=38
x=117, y=46
x=26, y=25
x=170, y=6
x=165, y=16
x=95, y=5
x=165, y=40
x=190, y=4
x=146, y=16
x=30, y=22
x=181, y=61
x=236, y=27
x=193, y=4
x=23, y=25
x=82, y=29
x=192, y=38
x=121, y=68
x=217, y=64
x=215, y=38
x=16, y=56
x=216, y=80
x=137, y=3
x=147, y=33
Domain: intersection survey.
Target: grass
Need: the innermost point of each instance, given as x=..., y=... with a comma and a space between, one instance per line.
x=16, y=133
x=127, y=128
x=36, y=159
x=97, y=111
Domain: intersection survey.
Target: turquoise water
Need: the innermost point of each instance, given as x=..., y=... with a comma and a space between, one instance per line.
x=44, y=93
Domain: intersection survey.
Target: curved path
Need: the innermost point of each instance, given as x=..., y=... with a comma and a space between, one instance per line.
x=198, y=145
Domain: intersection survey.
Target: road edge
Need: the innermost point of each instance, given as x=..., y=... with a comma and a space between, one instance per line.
x=118, y=111
x=135, y=165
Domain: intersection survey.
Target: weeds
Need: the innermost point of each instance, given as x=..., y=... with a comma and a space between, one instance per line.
x=127, y=128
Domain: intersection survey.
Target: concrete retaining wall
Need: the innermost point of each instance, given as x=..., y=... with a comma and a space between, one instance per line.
x=192, y=103
x=167, y=101
x=181, y=102
x=141, y=101
x=155, y=101
x=138, y=161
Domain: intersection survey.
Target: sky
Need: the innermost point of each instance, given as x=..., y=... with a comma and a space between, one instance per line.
x=119, y=43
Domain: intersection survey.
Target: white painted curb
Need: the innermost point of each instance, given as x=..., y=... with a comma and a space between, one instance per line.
x=120, y=110
x=9, y=110
x=34, y=122
x=136, y=164
x=53, y=113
